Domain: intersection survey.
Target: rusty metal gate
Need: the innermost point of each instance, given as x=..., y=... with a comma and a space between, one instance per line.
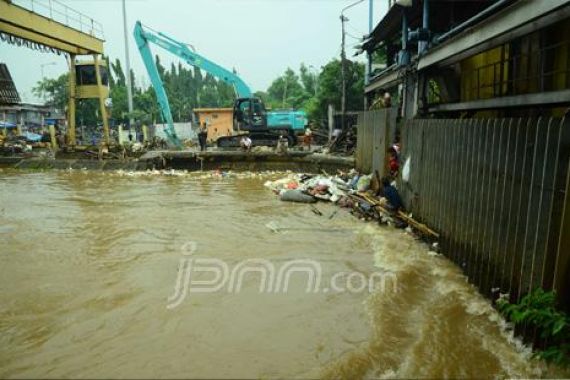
x=497, y=191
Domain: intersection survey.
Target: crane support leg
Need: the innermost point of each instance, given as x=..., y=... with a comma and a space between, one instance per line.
x=71, y=107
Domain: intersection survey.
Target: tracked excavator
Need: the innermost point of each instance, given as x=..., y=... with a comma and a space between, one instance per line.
x=249, y=113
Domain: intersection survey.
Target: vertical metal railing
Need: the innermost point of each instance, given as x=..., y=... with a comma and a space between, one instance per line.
x=495, y=190
x=63, y=14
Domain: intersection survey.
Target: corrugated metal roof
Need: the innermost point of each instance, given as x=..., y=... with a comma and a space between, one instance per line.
x=8, y=92
x=444, y=15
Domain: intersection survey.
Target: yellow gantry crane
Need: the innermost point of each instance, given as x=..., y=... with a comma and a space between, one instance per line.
x=51, y=25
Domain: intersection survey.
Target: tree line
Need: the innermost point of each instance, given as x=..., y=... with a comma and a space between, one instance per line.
x=188, y=88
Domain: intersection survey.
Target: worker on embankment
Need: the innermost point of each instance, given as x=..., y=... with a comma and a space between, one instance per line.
x=202, y=137
x=245, y=143
x=391, y=194
x=308, y=138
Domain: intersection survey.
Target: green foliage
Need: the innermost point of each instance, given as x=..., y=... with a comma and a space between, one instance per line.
x=55, y=92
x=87, y=112
x=188, y=88
x=308, y=79
x=538, y=309
x=118, y=73
x=287, y=91
x=313, y=93
x=330, y=89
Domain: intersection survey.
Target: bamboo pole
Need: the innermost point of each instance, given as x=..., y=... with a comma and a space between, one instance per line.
x=414, y=223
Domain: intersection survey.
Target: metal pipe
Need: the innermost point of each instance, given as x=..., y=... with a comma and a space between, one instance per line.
x=128, y=61
x=471, y=21
x=370, y=28
x=343, y=19
x=343, y=74
x=404, y=30
x=423, y=45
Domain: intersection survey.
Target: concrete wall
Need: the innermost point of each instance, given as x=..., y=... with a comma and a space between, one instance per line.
x=375, y=134
x=183, y=130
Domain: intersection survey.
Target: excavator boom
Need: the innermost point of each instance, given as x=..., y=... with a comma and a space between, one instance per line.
x=144, y=36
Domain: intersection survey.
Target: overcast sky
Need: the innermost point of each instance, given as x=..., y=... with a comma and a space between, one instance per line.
x=260, y=38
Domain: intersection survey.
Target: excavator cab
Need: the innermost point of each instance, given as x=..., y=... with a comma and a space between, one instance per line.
x=249, y=114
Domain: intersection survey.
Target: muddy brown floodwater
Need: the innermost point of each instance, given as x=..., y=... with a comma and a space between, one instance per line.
x=89, y=263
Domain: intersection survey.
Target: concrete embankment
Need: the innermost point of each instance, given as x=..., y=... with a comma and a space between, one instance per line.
x=192, y=161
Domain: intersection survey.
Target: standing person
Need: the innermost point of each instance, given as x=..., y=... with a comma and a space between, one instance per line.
x=394, y=162
x=282, y=145
x=387, y=100
x=202, y=137
x=308, y=137
x=60, y=139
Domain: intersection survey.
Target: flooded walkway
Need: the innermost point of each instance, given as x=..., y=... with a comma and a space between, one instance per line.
x=88, y=262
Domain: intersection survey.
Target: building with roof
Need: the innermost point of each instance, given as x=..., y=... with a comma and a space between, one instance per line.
x=8, y=92
x=469, y=58
x=219, y=121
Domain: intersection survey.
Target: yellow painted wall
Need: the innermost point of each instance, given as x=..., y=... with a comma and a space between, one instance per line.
x=91, y=92
x=479, y=85
x=539, y=61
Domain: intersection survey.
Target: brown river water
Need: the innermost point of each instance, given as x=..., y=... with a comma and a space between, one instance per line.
x=89, y=265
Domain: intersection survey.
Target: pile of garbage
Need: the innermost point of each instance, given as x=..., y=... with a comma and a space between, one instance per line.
x=367, y=196
x=213, y=174
x=309, y=188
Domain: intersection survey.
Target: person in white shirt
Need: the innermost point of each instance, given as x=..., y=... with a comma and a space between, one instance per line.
x=245, y=143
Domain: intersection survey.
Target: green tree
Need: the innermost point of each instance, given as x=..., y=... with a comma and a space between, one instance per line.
x=55, y=92
x=118, y=74
x=146, y=101
x=87, y=112
x=287, y=91
x=330, y=89
x=308, y=79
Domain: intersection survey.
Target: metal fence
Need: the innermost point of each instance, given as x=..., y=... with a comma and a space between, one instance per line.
x=497, y=192
x=375, y=131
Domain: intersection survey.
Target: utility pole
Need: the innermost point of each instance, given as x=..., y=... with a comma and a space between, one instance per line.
x=46, y=64
x=344, y=19
x=128, y=62
x=343, y=73
x=370, y=28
